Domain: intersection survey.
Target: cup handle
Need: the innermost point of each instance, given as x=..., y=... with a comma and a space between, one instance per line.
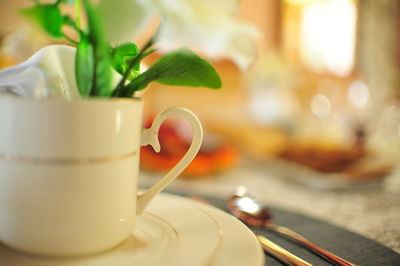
x=150, y=136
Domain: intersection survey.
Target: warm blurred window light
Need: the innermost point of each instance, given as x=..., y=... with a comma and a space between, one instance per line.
x=328, y=35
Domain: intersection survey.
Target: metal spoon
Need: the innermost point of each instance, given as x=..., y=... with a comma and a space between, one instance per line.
x=270, y=247
x=280, y=253
x=255, y=214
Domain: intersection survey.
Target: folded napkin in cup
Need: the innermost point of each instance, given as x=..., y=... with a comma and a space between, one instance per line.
x=48, y=73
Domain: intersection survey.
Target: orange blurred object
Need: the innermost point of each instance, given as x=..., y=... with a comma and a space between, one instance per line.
x=214, y=155
x=5, y=62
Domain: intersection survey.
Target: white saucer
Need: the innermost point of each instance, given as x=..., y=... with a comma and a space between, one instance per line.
x=174, y=231
x=239, y=245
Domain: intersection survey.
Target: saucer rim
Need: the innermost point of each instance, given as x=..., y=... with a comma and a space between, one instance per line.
x=256, y=254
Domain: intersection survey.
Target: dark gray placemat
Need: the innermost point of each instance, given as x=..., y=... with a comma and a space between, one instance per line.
x=348, y=245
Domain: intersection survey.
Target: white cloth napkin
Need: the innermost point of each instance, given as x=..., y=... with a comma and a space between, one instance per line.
x=48, y=73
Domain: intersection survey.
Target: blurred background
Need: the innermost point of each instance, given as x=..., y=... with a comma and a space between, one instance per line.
x=321, y=101
x=313, y=125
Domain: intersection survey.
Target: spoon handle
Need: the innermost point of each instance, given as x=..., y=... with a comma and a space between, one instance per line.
x=306, y=243
x=281, y=253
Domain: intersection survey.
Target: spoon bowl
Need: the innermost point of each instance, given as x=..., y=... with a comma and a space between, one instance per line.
x=249, y=211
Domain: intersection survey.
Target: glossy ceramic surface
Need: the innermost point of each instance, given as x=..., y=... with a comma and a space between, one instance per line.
x=171, y=233
x=74, y=165
x=174, y=232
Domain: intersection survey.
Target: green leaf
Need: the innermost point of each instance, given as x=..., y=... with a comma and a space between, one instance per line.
x=122, y=56
x=84, y=66
x=68, y=2
x=182, y=68
x=48, y=16
x=101, y=85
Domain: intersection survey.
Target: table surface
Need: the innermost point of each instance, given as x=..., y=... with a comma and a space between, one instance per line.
x=371, y=211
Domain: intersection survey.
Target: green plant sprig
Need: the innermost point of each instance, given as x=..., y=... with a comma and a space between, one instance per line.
x=132, y=71
x=96, y=58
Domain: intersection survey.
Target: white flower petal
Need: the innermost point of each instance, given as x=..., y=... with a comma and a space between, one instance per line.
x=241, y=48
x=123, y=20
x=208, y=26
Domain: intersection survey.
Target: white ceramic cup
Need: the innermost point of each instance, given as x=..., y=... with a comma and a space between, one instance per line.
x=69, y=172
